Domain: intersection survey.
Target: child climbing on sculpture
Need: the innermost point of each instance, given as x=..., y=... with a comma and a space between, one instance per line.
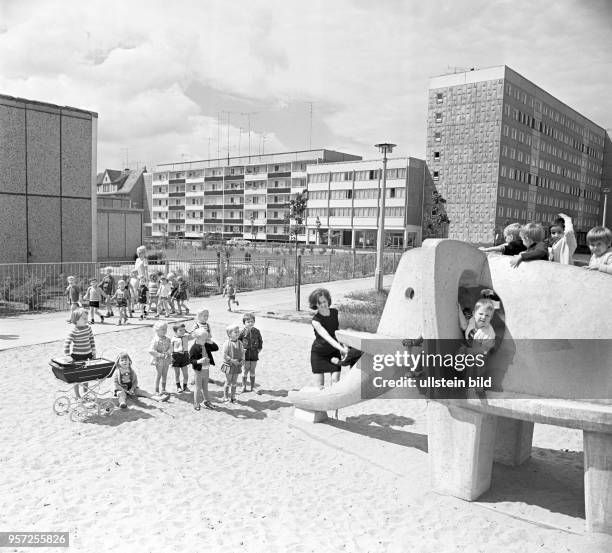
x=599, y=240
x=562, y=240
x=513, y=244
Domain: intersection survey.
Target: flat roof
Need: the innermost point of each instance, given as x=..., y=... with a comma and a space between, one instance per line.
x=46, y=104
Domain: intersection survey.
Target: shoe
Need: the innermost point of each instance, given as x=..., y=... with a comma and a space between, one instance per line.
x=102, y=319
x=141, y=317
x=109, y=314
x=92, y=322
x=237, y=303
x=225, y=400
x=165, y=397
x=185, y=389
x=209, y=405
x=179, y=390
x=233, y=400
x=196, y=406
x=242, y=390
x=123, y=405
x=186, y=311
x=118, y=322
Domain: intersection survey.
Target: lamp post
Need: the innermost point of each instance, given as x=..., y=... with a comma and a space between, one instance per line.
x=385, y=148
x=605, y=206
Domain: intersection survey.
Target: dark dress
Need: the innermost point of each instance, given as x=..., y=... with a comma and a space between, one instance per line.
x=321, y=351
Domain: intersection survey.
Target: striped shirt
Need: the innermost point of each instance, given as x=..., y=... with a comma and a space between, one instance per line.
x=82, y=340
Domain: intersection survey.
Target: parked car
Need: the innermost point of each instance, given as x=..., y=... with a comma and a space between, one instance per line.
x=238, y=242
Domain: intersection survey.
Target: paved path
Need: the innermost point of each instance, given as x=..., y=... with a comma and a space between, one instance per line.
x=40, y=328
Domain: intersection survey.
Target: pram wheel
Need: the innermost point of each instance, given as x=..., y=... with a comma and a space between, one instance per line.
x=61, y=405
x=90, y=400
x=79, y=414
x=106, y=408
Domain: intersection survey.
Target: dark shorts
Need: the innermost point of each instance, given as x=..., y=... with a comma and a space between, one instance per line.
x=94, y=303
x=321, y=362
x=180, y=359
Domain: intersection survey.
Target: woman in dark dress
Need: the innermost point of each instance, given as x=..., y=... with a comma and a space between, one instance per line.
x=325, y=346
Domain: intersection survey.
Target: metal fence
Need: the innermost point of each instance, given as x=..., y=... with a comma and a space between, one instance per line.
x=28, y=287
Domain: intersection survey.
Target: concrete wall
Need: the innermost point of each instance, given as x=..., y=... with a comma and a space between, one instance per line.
x=119, y=233
x=46, y=182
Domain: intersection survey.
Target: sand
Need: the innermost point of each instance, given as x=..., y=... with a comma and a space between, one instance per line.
x=249, y=477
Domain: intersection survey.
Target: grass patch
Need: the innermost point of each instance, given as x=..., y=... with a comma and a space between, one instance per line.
x=362, y=310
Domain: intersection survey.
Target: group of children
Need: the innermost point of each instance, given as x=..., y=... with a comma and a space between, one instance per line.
x=527, y=243
x=160, y=294
x=240, y=355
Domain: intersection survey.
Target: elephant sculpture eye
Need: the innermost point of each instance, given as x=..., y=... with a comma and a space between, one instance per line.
x=409, y=293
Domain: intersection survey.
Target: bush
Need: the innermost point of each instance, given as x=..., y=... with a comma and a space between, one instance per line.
x=30, y=292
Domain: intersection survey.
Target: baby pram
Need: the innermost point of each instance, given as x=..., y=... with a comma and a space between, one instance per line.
x=93, y=373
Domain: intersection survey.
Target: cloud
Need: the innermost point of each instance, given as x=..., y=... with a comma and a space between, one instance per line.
x=158, y=74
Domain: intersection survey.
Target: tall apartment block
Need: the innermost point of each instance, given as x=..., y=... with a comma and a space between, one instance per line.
x=500, y=150
x=48, y=159
x=343, y=202
x=246, y=197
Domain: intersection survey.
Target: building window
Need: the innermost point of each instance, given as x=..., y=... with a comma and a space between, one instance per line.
x=437, y=156
x=438, y=117
x=436, y=175
x=439, y=98
x=438, y=136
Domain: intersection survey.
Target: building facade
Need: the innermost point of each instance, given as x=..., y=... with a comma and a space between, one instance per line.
x=343, y=202
x=48, y=157
x=246, y=197
x=501, y=150
x=120, y=228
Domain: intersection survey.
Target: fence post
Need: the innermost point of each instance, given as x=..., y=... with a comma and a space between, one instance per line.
x=354, y=256
x=265, y=283
x=329, y=268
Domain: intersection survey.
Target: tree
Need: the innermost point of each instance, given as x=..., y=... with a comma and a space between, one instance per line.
x=435, y=221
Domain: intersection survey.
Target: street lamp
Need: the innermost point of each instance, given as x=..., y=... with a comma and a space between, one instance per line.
x=385, y=148
x=605, y=206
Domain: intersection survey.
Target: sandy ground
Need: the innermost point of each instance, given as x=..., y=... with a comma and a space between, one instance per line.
x=249, y=477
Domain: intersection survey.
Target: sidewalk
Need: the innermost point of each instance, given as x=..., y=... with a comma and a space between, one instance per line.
x=41, y=328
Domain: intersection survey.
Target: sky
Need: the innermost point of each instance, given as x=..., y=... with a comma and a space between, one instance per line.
x=183, y=80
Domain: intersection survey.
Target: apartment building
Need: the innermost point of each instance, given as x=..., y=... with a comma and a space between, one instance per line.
x=246, y=197
x=500, y=150
x=343, y=202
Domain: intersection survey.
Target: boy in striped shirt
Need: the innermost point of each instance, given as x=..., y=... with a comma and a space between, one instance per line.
x=80, y=343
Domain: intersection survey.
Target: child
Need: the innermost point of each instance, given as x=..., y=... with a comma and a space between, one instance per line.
x=94, y=295
x=126, y=382
x=173, y=291
x=513, y=246
x=233, y=359
x=252, y=343
x=181, y=295
x=142, y=296
x=108, y=287
x=122, y=298
x=133, y=289
x=80, y=343
x=180, y=357
x=230, y=292
x=563, y=240
x=73, y=295
x=160, y=351
x=201, y=358
x=532, y=235
x=201, y=322
x=153, y=290
x=478, y=331
x=163, y=297
x=599, y=240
